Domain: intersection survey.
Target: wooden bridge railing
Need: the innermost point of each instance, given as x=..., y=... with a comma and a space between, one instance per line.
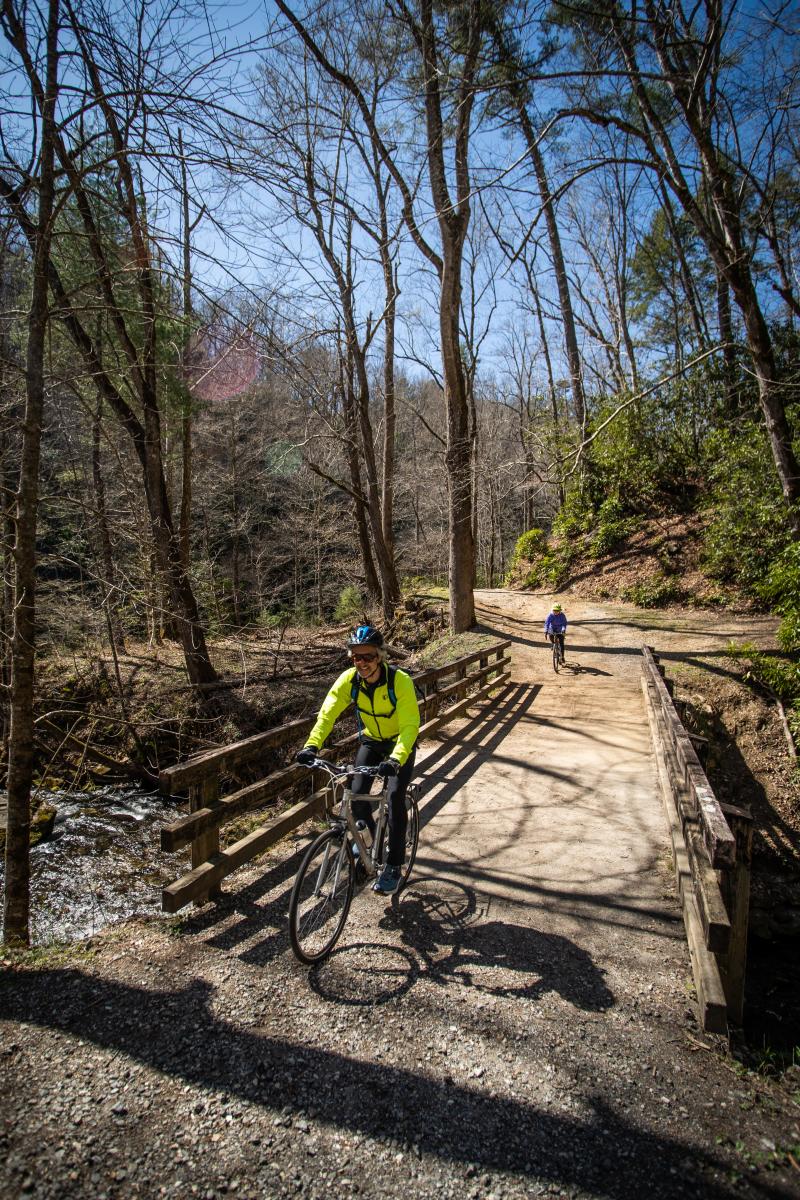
x=712, y=850
x=202, y=775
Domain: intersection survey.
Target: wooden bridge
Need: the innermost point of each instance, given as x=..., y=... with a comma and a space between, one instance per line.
x=545, y=793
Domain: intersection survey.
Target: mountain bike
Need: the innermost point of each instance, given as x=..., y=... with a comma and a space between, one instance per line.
x=339, y=858
x=558, y=650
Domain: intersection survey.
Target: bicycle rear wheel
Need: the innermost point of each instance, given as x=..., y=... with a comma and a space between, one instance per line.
x=321, y=896
x=412, y=836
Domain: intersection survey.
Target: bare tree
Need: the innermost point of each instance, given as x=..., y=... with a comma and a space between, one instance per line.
x=21, y=742
x=446, y=48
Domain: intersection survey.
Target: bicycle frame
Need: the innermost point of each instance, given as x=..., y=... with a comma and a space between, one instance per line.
x=345, y=815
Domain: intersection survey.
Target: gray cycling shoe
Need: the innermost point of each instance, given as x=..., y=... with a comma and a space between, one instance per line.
x=388, y=881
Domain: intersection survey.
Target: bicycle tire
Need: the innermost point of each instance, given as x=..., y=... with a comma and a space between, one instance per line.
x=317, y=917
x=555, y=655
x=412, y=836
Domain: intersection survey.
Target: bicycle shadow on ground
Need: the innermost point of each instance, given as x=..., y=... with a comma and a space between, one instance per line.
x=443, y=939
x=576, y=668
x=598, y=1150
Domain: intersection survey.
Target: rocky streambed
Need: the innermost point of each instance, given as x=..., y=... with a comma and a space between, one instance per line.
x=102, y=862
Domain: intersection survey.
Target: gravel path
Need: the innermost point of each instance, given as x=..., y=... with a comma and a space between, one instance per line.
x=520, y=1023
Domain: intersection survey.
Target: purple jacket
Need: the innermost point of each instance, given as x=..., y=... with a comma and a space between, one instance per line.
x=555, y=623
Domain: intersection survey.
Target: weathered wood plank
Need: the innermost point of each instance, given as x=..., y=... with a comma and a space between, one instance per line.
x=454, y=689
x=180, y=833
x=736, y=888
x=711, y=909
x=178, y=778
x=458, y=709
x=202, y=879
x=205, y=795
x=433, y=674
x=717, y=837
x=705, y=972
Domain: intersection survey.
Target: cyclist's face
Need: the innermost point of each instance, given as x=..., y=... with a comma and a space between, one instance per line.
x=366, y=663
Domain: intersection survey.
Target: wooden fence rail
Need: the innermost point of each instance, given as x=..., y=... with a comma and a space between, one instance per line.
x=202, y=775
x=712, y=851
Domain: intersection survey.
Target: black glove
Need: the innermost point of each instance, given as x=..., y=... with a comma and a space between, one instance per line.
x=306, y=756
x=389, y=768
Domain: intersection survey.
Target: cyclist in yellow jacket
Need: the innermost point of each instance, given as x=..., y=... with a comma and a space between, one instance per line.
x=388, y=725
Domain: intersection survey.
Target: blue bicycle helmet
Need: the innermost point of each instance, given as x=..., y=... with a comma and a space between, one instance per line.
x=365, y=635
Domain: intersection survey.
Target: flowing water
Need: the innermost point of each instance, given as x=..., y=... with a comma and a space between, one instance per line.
x=102, y=864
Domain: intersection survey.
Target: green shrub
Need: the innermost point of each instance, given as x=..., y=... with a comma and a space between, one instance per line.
x=548, y=572
x=575, y=517
x=349, y=605
x=781, y=589
x=780, y=675
x=652, y=593
x=611, y=534
x=529, y=546
x=748, y=530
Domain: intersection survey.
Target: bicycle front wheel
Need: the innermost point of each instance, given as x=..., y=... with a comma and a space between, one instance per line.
x=412, y=836
x=321, y=896
x=556, y=656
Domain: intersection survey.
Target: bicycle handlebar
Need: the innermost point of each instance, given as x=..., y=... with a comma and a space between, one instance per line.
x=338, y=770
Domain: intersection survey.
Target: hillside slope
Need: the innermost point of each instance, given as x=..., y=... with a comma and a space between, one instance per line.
x=653, y=562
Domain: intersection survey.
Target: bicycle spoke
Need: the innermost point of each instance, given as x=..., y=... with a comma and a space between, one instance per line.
x=321, y=897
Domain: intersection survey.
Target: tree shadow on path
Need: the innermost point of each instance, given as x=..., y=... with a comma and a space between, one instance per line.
x=176, y=1033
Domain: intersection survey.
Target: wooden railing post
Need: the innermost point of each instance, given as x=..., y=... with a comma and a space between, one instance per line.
x=735, y=887
x=205, y=794
x=433, y=697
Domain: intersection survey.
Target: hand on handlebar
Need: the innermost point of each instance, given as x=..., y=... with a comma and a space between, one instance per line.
x=307, y=756
x=389, y=768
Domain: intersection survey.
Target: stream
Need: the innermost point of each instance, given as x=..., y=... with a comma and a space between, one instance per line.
x=102, y=864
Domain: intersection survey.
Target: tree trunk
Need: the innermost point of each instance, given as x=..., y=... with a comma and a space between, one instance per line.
x=559, y=266
x=371, y=581
x=186, y=420
x=769, y=392
x=728, y=347
x=459, y=450
x=21, y=745
x=106, y=554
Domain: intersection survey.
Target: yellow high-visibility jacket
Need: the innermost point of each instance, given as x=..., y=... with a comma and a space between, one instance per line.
x=379, y=720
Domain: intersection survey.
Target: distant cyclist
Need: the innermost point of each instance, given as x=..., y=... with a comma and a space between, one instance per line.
x=556, y=623
x=388, y=728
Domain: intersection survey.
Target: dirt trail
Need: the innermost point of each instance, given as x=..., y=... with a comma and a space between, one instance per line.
x=519, y=1024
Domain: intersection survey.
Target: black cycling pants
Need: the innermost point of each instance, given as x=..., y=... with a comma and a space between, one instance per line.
x=369, y=755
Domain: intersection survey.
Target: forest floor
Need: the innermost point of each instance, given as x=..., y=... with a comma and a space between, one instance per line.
x=519, y=1023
